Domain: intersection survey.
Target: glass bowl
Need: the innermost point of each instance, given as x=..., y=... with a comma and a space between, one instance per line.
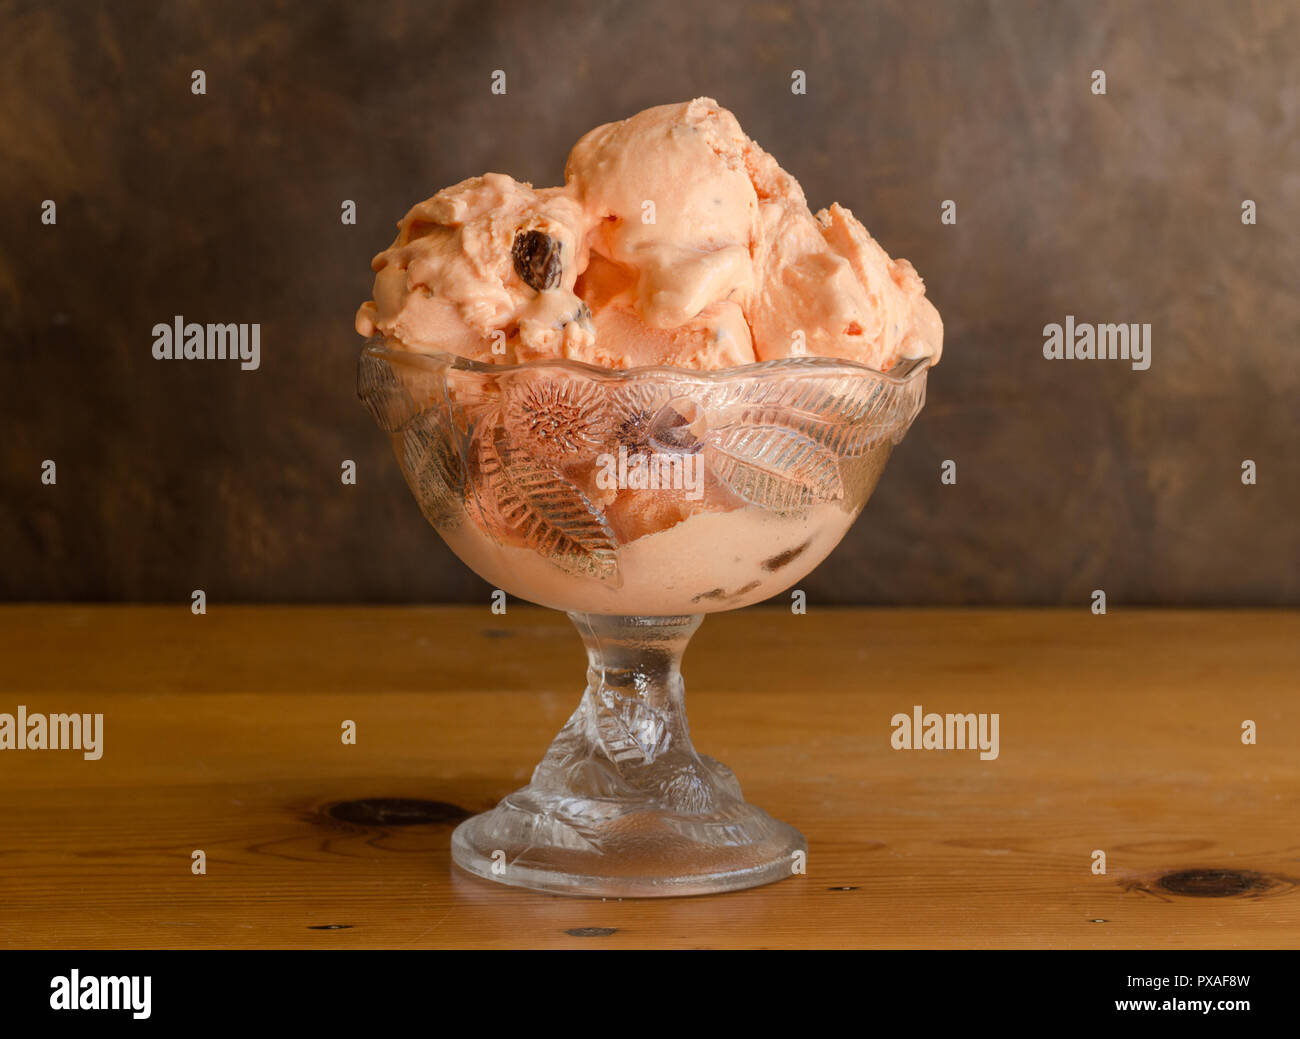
x=636, y=501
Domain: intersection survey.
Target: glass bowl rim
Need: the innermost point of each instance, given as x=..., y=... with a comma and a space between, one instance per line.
x=908, y=369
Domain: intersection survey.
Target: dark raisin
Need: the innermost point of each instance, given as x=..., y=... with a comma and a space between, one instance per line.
x=537, y=259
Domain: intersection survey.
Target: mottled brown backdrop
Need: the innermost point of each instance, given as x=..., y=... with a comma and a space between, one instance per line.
x=225, y=207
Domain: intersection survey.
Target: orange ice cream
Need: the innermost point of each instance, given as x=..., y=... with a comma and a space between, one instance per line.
x=675, y=240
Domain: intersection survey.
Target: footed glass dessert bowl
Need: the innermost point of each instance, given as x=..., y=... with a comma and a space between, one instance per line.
x=636, y=501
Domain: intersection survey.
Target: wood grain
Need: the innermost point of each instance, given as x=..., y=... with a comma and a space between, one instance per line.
x=1119, y=733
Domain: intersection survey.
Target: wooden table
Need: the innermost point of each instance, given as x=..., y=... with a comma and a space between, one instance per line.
x=1119, y=733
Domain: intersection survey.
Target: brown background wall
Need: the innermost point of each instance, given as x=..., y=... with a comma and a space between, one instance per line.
x=1071, y=475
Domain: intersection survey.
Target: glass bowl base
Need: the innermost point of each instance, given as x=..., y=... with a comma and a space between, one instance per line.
x=622, y=805
x=637, y=854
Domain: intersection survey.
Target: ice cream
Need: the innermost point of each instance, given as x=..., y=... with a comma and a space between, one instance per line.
x=676, y=244
x=675, y=240
x=708, y=562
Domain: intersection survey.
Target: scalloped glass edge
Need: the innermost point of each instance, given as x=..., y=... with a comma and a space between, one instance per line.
x=905, y=372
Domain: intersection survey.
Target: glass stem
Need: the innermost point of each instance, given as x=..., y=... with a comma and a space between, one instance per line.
x=635, y=698
x=628, y=741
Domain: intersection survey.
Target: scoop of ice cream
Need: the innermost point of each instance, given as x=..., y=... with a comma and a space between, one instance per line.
x=676, y=240
x=669, y=198
x=484, y=269
x=717, y=336
x=826, y=289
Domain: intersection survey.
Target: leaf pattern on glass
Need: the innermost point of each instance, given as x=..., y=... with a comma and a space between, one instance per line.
x=514, y=448
x=688, y=791
x=474, y=399
x=570, y=766
x=908, y=404
x=843, y=439
x=838, y=398
x=555, y=417
x=431, y=461
x=845, y=413
x=383, y=394
x=633, y=407
x=773, y=466
x=831, y=398
x=547, y=512
x=630, y=731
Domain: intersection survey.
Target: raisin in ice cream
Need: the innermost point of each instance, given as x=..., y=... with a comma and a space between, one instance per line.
x=675, y=240
x=486, y=260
